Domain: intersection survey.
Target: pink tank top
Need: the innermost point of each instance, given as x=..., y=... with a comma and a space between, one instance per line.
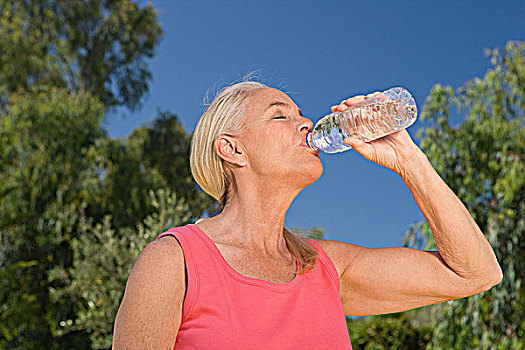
x=224, y=309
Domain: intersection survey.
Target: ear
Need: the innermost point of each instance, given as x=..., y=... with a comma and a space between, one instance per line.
x=230, y=149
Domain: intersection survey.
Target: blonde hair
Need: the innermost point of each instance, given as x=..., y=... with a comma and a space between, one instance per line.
x=225, y=116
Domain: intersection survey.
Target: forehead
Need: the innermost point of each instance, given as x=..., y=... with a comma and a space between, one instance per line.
x=260, y=99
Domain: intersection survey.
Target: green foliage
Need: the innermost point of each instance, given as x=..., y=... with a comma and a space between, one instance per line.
x=84, y=45
x=58, y=172
x=315, y=232
x=44, y=133
x=101, y=265
x=123, y=171
x=76, y=207
x=118, y=184
x=482, y=160
x=395, y=331
x=164, y=147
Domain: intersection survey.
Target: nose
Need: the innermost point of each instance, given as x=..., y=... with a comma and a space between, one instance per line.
x=306, y=125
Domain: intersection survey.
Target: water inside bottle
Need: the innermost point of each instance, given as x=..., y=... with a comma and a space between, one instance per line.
x=373, y=121
x=367, y=121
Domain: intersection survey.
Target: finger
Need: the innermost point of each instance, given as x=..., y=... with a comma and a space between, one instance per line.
x=336, y=109
x=377, y=96
x=355, y=143
x=342, y=107
x=354, y=100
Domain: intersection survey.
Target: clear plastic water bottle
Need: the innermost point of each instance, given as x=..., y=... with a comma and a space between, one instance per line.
x=377, y=116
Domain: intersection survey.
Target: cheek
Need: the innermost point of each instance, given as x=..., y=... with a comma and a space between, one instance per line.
x=267, y=148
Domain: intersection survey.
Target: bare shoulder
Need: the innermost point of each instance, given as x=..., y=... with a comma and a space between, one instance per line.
x=159, y=266
x=166, y=250
x=342, y=254
x=151, y=309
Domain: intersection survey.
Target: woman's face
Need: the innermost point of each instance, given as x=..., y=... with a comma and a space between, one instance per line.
x=275, y=139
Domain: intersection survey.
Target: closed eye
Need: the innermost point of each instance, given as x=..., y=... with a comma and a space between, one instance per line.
x=280, y=117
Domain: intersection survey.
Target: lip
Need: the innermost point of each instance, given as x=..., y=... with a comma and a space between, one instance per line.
x=311, y=150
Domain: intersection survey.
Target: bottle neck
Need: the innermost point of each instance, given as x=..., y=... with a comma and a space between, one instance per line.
x=309, y=142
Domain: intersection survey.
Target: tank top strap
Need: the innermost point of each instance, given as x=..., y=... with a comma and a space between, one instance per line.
x=325, y=260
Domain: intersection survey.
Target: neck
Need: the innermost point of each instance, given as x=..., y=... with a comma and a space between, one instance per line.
x=254, y=217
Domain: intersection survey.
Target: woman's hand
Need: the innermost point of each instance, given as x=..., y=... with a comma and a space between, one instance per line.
x=392, y=151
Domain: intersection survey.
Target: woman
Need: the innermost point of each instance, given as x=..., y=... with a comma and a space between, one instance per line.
x=240, y=280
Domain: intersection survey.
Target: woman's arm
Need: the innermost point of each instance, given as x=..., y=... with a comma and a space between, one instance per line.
x=385, y=280
x=460, y=242
x=150, y=313
x=388, y=280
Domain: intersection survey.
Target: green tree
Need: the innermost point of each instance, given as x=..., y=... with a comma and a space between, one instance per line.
x=393, y=331
x=62, y=64
x=59, y=170
x=164, y=146
x=482, y=160
x=44, y=135
x=118, y=184
x=102, y=261
x=315, y=232
x=99, y=46
x=124, y=170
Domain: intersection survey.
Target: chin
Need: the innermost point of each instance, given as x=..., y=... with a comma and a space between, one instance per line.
x=313, y=173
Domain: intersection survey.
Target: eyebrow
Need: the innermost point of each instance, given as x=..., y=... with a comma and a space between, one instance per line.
x=281, y=104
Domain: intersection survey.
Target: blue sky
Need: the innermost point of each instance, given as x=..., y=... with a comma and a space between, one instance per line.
x=320, y=52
